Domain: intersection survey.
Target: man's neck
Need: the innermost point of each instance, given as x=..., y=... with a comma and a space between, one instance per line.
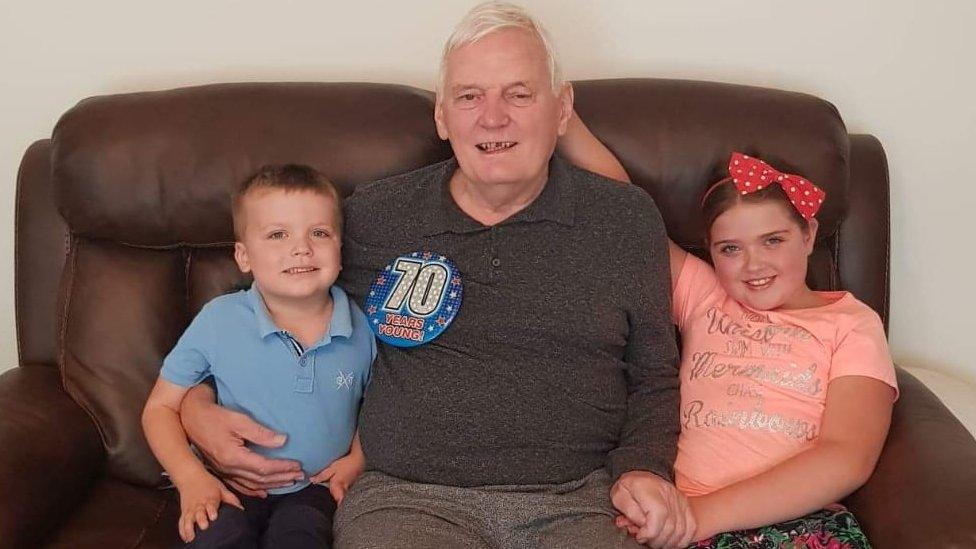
x=306, y=319
x=492, y=204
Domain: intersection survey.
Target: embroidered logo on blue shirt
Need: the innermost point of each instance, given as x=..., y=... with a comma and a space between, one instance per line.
x=344, y=380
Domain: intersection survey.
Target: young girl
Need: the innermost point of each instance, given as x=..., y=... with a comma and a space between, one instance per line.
x=786, y=392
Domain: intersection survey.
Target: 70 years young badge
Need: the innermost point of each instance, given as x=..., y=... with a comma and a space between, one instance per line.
x=414, y=299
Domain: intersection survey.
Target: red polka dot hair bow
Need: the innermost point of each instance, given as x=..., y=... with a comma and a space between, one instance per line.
x=751, y=174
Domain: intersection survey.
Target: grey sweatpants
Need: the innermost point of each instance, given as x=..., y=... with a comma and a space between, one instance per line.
x=381, y=511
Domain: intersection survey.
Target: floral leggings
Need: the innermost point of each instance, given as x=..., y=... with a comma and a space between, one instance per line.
x=831, y=528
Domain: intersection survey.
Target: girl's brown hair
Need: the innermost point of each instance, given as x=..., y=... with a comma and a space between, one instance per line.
x=723, y=196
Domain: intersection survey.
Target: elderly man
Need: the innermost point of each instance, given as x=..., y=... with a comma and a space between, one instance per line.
x=555, y=387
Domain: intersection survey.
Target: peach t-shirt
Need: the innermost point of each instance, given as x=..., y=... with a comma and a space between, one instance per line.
x=754, y=383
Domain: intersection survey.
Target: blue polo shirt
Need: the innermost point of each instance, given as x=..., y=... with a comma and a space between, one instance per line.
x=312, y=395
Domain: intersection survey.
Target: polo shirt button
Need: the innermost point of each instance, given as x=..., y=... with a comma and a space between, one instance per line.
x=496, y=262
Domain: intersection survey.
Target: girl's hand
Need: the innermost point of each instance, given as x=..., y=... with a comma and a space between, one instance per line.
x=200, y=496
x=692, y=533
x=341, y=474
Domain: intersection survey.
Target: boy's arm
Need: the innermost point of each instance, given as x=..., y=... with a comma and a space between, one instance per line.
x=343, y=472
x=853, y=430
x=200, y=493
x=161, y=423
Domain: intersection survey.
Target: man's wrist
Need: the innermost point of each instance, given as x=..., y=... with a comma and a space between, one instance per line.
x=625, y=460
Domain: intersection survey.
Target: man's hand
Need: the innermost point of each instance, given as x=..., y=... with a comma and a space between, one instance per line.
x=221, y=434
x=653, y=510
x=341, y=473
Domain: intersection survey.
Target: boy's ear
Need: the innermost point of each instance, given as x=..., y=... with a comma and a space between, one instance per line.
x=240, y=256
x=811, y=234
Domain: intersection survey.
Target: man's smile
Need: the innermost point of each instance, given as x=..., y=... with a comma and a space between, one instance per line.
x=492, y=147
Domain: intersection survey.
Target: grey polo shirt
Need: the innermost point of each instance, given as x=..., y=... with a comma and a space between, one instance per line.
x=562, y=357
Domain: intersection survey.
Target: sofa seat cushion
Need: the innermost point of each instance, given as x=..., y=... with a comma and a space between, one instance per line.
x=117, y=514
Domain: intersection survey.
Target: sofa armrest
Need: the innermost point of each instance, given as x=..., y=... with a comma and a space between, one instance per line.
x=923, y=491
x=50, y=452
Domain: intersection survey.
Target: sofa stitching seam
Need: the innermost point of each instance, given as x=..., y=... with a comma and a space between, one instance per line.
x=62, y=361
x=159, y=513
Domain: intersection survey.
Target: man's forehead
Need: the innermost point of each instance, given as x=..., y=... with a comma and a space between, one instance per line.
x=503, y=58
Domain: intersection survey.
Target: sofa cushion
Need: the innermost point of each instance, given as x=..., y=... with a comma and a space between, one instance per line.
x=117, y=514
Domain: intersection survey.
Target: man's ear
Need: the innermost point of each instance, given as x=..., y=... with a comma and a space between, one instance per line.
x=240, y=256
x=566, y=98
x=810, y=236
x=439, y=117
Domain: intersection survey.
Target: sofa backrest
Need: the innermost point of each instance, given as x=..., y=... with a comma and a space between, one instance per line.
x=142, y=184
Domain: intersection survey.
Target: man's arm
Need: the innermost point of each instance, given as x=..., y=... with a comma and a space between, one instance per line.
x=643, y=462
x=580, y=147
x=652, y=508
x=221, y=435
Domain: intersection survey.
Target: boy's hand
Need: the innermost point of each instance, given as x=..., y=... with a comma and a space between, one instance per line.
x=342, y=473
x=200, y=496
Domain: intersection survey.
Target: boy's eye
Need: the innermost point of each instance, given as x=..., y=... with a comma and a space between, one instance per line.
x=320, y=233
x=276, y=235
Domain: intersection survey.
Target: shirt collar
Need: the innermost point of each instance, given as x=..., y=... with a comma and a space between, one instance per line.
x=339, y=326
x=556, y=202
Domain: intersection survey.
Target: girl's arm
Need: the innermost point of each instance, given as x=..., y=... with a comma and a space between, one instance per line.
x=853, y=430
x=583, y=149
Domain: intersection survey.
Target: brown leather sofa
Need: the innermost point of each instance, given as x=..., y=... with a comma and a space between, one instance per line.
x=123, y=232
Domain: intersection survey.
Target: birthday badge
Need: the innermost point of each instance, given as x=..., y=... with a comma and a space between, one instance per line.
x=414, y=299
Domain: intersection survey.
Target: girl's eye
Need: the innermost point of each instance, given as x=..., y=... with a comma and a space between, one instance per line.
x=774, y=240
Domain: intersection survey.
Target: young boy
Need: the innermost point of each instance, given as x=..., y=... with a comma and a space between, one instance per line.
x=293, y=351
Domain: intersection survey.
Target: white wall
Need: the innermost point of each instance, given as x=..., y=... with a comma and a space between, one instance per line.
x=894, y=68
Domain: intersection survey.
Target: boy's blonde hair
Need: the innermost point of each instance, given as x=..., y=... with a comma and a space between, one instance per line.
x=288, y=178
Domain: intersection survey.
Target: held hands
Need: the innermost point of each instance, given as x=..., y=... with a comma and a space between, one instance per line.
x=221, y=435
x=341, y=473
x=200, y=496
x=653, y=510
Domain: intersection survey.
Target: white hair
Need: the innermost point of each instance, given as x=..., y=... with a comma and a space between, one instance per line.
x=489, y=17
